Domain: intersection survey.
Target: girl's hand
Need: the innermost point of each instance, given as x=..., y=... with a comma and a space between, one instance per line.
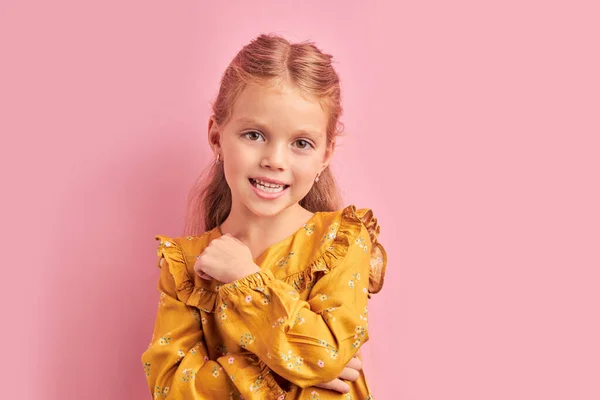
x=350, y=373
x=225, y=259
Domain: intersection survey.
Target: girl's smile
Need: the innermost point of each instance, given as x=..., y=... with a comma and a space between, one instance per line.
x=268, y=191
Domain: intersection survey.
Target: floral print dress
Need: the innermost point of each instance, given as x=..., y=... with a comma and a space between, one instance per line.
x=274, y=334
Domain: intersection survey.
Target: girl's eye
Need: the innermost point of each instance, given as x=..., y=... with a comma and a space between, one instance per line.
x=255, y=135
x=305, y=142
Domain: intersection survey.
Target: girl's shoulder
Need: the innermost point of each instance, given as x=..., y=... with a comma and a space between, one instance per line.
x=323, y=244
x=350, y=214
x=357, y=218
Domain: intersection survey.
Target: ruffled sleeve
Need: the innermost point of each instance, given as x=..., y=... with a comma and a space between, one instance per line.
x=176, y=362
x=188, y=291
x=307, y=342
x=378, y=261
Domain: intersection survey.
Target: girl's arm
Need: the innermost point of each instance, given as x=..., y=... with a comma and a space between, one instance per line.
x=176, y=362
x=306, y=342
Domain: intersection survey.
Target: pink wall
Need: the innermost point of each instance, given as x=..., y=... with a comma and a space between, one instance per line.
x=477, y=134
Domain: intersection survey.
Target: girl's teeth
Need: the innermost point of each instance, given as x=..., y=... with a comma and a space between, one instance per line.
x=267, y=184
x=268, y=189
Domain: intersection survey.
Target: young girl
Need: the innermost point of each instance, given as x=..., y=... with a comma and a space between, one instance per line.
x=269, y=299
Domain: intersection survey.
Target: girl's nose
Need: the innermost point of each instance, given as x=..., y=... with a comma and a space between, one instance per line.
x=275, y=158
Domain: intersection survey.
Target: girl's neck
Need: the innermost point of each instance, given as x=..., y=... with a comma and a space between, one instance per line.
x=260, y=233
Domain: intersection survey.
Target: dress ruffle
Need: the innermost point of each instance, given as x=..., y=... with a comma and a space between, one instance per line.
x=187, y=292
x=333, y=255
x=378, y=254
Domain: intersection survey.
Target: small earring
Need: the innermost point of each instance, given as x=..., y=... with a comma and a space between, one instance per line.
x=217, y=161
x=317, y=178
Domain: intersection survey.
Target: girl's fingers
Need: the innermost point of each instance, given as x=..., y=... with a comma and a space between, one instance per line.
x=349, y=374
x=204, y=276
x=336, y=385
x=354, y=363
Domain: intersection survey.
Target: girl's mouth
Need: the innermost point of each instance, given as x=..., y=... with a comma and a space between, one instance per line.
x=268, y=187
x=267, y=190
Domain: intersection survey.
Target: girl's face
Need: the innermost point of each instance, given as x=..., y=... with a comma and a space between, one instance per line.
x=274, y=134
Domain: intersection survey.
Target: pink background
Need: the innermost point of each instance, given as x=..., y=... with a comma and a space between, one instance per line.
x=473, y=133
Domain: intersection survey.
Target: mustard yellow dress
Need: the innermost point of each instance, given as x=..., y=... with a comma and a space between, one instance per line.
x=273, y=334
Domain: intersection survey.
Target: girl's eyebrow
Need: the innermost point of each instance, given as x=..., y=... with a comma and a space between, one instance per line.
x=259, y=124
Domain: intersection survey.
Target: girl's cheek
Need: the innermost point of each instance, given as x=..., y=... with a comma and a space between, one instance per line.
x=304, y=170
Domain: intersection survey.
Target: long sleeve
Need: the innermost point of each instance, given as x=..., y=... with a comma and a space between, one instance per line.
x=176, y=362
x=306, y=342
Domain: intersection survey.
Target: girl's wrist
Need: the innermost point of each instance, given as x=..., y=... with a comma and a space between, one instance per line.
x=247, y=271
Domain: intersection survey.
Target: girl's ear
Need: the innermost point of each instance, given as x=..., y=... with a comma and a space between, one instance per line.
x=328, y=154
x=214, y=136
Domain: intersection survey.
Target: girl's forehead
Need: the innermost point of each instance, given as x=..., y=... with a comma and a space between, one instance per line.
x=278, y=105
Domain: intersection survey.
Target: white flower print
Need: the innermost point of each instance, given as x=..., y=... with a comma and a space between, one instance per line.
x=165, y=340
x=329, y=316
x=161, y=300
x=332, y=232
x=299, y=319
x=360, y=331
x=293, y=360
x=361, y=243
x=279, y=322
x=246, y=339
x=309, y=228
x=354, y=277
x=333, y=353
x=188, y=374
x=161, y=392
x=284, y=260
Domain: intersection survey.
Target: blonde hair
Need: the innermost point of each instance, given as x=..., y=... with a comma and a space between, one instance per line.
x=269, y=60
